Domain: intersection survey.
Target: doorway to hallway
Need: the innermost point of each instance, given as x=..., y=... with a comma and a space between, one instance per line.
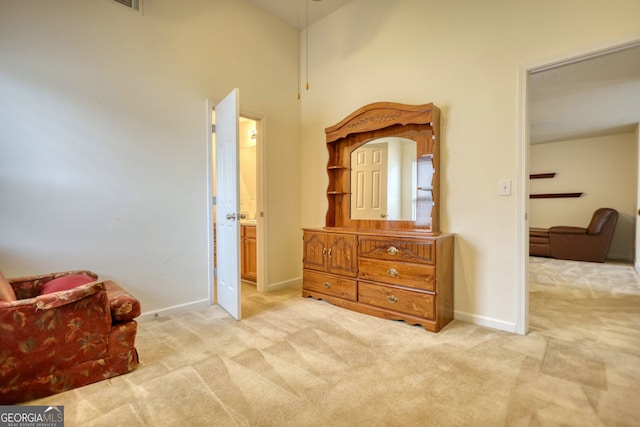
x=603, y=56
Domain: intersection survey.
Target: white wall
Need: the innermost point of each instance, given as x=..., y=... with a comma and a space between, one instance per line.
x=465, y=57
x=604, y=169
x=103, y=139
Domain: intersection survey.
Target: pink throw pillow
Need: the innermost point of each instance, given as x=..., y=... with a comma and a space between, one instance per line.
x=65, y=283
x=6, y=291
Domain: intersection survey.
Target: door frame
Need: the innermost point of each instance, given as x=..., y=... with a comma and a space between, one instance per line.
x=523, y=163
x=261, y=191
x=261, y=188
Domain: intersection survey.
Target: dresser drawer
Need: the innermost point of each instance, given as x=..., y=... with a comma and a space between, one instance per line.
x=398, y=273
x=393, y=249
x=329, y=285
x=419, y=304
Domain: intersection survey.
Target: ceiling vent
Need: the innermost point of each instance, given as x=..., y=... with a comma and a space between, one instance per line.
x=131, y=4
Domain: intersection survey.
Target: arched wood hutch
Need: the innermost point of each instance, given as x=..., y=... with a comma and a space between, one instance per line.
x=381, y=251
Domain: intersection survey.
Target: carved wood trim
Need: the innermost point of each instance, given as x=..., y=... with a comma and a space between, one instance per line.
x=407, y=250
x=380, y=115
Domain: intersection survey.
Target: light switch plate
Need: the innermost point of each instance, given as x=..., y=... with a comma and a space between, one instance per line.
x=504, y=187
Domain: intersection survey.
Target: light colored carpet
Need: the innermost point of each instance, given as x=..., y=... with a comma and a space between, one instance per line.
x=303, y=362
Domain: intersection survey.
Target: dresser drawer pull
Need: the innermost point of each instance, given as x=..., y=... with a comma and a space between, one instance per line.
x=392, y=299
x=392, y=272
x=392, y=250
x=326, y=285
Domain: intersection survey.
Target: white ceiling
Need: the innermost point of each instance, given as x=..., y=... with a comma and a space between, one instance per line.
x=294, y=12
x=591, y=97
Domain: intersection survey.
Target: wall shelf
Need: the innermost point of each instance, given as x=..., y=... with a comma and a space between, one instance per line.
x=550, y=195
x=554, y=195
x=542, y=175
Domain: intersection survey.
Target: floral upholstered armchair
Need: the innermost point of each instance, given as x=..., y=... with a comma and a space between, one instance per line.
x=60, y=331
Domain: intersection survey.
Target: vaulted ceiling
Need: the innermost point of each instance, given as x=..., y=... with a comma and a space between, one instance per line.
x=294, y=12
x=587, y=98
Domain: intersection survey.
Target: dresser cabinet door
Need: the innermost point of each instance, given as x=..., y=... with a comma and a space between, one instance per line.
x=331, y=252
x=341, y=254
x=314, y=250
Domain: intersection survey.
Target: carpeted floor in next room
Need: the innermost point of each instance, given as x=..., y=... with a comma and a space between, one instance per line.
x=302, y=362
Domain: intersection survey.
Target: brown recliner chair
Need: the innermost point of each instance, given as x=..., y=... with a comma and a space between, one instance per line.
x=576, y=243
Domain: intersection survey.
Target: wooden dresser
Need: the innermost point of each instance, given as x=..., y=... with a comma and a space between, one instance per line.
x=381, y=251
x=401, y=276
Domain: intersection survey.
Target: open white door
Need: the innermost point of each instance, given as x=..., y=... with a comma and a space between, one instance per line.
x=227, y=205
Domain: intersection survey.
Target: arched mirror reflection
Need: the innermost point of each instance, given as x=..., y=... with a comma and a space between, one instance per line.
x=384, y=180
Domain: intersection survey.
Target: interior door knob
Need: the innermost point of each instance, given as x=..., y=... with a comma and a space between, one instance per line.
x=231, y=216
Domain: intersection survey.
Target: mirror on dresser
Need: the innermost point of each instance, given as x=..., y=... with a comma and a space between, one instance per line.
x=384, y=180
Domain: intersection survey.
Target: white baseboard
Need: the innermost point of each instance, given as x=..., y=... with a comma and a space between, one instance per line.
x=284, y=284
x=196, y=305
x=485, y=321
x=176, y=309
